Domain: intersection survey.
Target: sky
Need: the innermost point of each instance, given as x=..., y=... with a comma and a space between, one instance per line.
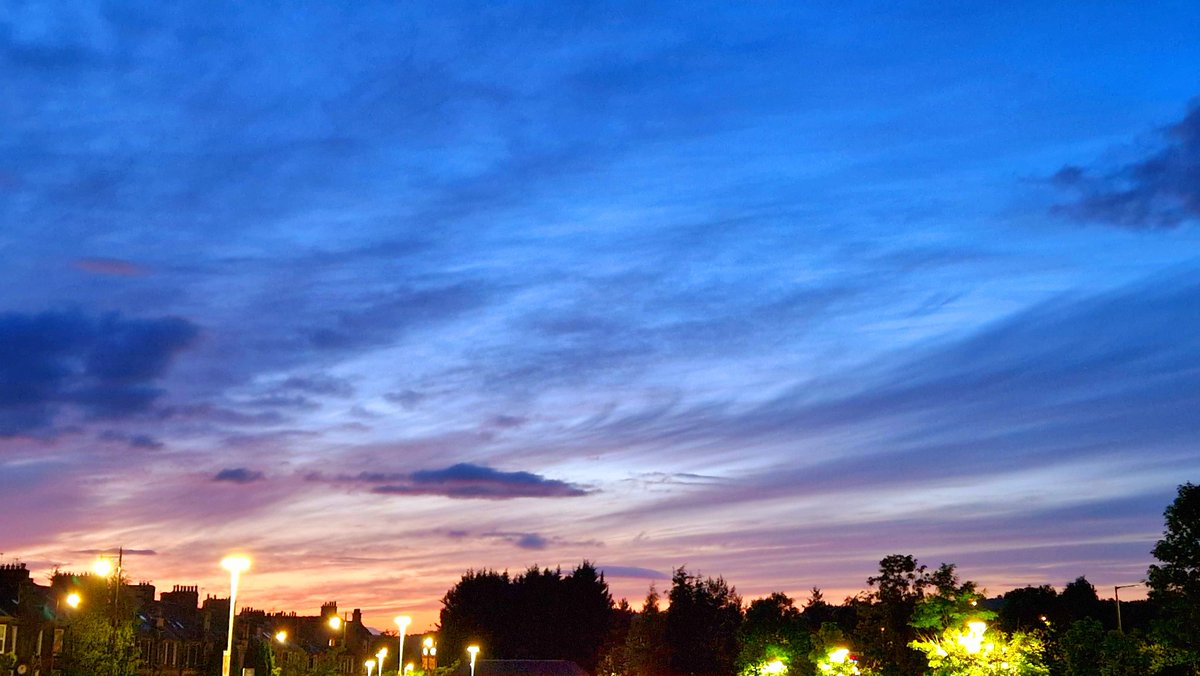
x=381, y=292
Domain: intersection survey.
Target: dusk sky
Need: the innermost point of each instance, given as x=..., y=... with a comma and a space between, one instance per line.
x=381, y=292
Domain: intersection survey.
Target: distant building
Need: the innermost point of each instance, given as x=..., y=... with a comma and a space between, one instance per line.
x=177, y=634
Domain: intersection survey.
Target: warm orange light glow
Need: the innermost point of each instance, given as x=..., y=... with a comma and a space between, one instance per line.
x=281, y=636
x=335, y=622
x=102, y=567
x=235, y=564
x=74, y=600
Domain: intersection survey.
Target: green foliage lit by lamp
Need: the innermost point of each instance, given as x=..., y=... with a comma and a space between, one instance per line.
x=978, y=650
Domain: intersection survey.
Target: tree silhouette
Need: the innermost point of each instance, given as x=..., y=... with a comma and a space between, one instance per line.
x=882, y=634
x=1078, y=600
x=1174, y=582
x=773, y=629
x=646, y=644
x=702, y=625
x=540, y=614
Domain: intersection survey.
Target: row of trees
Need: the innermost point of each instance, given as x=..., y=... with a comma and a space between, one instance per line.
x=911, y=621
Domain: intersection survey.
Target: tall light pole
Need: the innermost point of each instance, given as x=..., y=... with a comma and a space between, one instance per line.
x=382, y=655
x=474, y=650
x=1117, y=601
x=402, y=621
x=235, y=565
x=370, y=666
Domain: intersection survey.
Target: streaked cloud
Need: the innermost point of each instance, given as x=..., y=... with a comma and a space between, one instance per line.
x=762, y=288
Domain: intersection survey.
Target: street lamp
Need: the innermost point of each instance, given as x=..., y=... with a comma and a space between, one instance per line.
x=408, y=668
x=235, y=565
x=1117, y=601
x=972, y=641
x=381, y=655
x=428, y=654
x=401, y=621
x=338, y=624
x=370, y=666
x=474, y=650
x=281, y=636
x=73, y=600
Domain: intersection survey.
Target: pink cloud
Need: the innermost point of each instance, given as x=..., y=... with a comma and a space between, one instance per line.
x=110, y=266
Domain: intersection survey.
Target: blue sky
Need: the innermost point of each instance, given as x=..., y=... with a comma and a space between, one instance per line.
x=388, y=291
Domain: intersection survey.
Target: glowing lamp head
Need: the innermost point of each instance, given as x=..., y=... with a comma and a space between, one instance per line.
x=370, y=664
x=838, y=655
x=74, y=600
x=235, y=564
x=281, y=636
x=102, y=567
x=774, y=667
x=335, y=622
x=428, y=642
x=381, y=654
x=403, y=621
x=408, y=667
x=474, y=650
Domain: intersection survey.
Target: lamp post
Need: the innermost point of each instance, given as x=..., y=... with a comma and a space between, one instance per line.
x=73, y=600
x=336, y=623
x=474, y=650
x=401, y=621
x=370, y=666
x=235, y=565
x=428, y=654
x=382, y=655
x=1117, y=601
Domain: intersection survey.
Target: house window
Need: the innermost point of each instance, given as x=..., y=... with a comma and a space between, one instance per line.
x=8, y=638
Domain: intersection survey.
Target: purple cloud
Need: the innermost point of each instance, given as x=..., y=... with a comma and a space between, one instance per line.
x=239, y=475
x=463, y=481
x=109, y=266
x=634, y=572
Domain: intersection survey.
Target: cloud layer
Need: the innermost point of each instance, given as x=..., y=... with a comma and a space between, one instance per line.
x=414, y=288
x=100, y=367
